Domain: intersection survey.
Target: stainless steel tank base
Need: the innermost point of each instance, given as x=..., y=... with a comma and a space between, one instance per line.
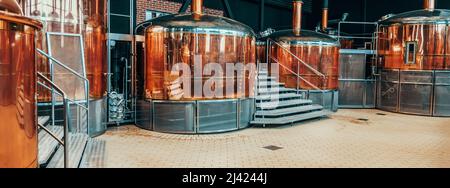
x=329, y=99
x=194, y=117
x=357, y=94
x=415, y=92
x=357, y=85
x=97, y=117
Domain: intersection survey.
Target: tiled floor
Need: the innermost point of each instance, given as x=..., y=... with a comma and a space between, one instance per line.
x=391, y=140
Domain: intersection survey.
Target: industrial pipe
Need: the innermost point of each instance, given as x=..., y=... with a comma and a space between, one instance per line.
x=325, y=15
x=196, y=6
x=429, y=4
x=297, y=16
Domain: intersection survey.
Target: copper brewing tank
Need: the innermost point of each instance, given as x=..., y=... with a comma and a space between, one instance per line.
x=180, y=38
x=18, y=129
x=416, y=40
x=319, y=51
x=85, y=17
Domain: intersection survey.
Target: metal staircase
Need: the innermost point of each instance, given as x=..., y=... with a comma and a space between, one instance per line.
x=278, y=105
x=66, y=144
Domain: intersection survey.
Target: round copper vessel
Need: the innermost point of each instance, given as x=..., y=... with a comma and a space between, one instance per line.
x=317, y=61
x=181, y=38
x=18, y=129
x=416, y=40
x=319, y=51
x=85, y=17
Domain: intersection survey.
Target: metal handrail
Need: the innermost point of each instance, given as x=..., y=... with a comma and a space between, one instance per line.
x=86, y=82
x=61, y=64
x=70, y=100
x=65, y=144
x=297, y=58
x=298, y=75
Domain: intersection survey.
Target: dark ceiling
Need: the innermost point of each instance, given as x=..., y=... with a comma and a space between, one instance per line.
x=277, y=13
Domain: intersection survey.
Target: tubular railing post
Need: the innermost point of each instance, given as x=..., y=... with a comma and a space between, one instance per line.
x=65, y=117
x=52, y=94
x=66, y=133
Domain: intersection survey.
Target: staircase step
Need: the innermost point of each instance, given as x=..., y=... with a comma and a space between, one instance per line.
x=284, y=104
x=47, y=144
x=282, y=96
x=290, y=119
x=271, y=84
x=266, y=77
x=77, y=144
x=277, y=90
x=94, y=155
x=288, y=111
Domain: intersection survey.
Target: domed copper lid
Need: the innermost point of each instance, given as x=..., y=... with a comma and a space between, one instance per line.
x=305, y=37
x=195, y=23
x=10, y=11
x=436, y=16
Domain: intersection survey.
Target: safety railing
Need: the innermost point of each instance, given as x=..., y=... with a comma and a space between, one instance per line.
x=65, y=142
x=299, y=62
x=299, y=78
x=78, y=104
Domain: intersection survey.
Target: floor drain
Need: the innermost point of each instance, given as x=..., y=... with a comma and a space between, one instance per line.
x=272, y=147
x=363, y=119
x=381, y=114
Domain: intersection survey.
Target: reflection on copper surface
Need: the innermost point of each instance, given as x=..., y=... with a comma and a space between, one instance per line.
x=261, y=52
x=346, y=43
x=196, y=6
x=18, y=131
x=433, y=48
x=324, y=59
x=86, y=17
x=170, y=48
x=297, y=16
x=429, y=4
x=324, y=19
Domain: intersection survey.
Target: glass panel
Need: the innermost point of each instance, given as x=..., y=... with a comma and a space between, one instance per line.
x=442, y=78
x=370, y=94
x=59, y=46
x=442, y=101
x=353, y=66
x=390, y=76
x=174, y=117
x=247, y=108
x=415, y=99
x=351, y=93
x=120, y=7
x=143, y=114
x=217, y=116
x=120, y=24
x=388, y=96
x=411, y=52
x=417, y=77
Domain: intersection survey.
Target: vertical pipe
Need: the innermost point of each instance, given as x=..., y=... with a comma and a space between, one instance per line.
x=297, y=16
x=429, y=5
x=196, y=6
x=325, y=15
